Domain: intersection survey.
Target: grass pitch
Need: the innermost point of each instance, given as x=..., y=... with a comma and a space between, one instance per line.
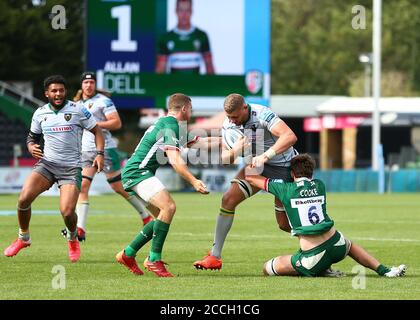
x=387, y=226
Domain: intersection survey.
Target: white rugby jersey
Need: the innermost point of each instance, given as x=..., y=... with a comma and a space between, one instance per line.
x=258, y=131
x=99, y=106
x=62, y=130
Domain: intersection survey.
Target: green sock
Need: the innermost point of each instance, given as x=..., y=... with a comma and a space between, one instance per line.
x=140, y=240
x=160, y=230
x=381, y=270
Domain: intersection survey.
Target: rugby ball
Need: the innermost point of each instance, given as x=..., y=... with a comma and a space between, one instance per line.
x=230, y=136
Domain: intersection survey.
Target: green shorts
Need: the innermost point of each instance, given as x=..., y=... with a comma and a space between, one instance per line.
x=132, y=178
x=313, y=262
x=111, y=160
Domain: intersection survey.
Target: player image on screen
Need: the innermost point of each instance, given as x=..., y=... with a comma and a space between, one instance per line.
x=186, y=47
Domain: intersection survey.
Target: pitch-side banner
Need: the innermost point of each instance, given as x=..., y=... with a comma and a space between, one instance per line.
x=142, y=54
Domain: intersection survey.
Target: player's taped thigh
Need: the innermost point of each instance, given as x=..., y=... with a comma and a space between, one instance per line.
x=114, y=179
x=270, y=267
x=87, y=178
x=347, y=242
x=279, y=209
x=23, y=209
x=244, y=186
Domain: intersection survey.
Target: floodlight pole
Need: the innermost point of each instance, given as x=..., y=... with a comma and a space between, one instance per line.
x=376, y=130
x=368, y=75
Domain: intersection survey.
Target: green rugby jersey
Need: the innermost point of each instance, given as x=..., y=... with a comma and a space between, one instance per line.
x=149, y=153
x=184, y=49
x=305, y=203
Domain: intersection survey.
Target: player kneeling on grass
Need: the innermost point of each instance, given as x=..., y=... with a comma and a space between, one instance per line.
x=321, y=244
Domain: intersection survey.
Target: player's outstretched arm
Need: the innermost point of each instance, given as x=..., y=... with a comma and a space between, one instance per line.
x=255, y=180
x=181, y=168
x=98, y=162
x=209, y=143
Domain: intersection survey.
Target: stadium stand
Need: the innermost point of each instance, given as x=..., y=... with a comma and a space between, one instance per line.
x=16, y=109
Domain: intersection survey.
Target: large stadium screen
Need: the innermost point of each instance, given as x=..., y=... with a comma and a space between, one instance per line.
x=144, y=50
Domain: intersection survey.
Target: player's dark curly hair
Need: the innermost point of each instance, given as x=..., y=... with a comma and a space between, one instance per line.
x=302, y=165
x=54, y=79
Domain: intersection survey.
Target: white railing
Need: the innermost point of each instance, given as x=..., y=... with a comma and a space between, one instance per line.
x=21, y=97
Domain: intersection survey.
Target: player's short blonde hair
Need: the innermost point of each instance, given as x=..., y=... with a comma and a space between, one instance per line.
x=177, y=101
x=233, y=102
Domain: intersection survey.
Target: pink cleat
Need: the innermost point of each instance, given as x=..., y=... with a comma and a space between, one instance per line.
x=16, y=246
x=74, y=250
x=129, y=262
x=158, y=268
x=208, y=262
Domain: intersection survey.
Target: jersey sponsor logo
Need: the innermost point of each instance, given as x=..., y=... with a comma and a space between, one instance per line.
x=58, y=129
x=67, y=116
x=185, y=60
x=86, y=112
x=267, y=115
x=127, y=183
x=308, y=201
x=277, y=180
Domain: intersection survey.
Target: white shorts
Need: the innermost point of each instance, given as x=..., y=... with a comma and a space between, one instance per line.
x=148, y=188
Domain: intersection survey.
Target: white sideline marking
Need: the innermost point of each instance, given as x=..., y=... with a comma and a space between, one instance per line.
x=46, y=212
x=385, y=239
x=379, y=221
x=190, y=234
